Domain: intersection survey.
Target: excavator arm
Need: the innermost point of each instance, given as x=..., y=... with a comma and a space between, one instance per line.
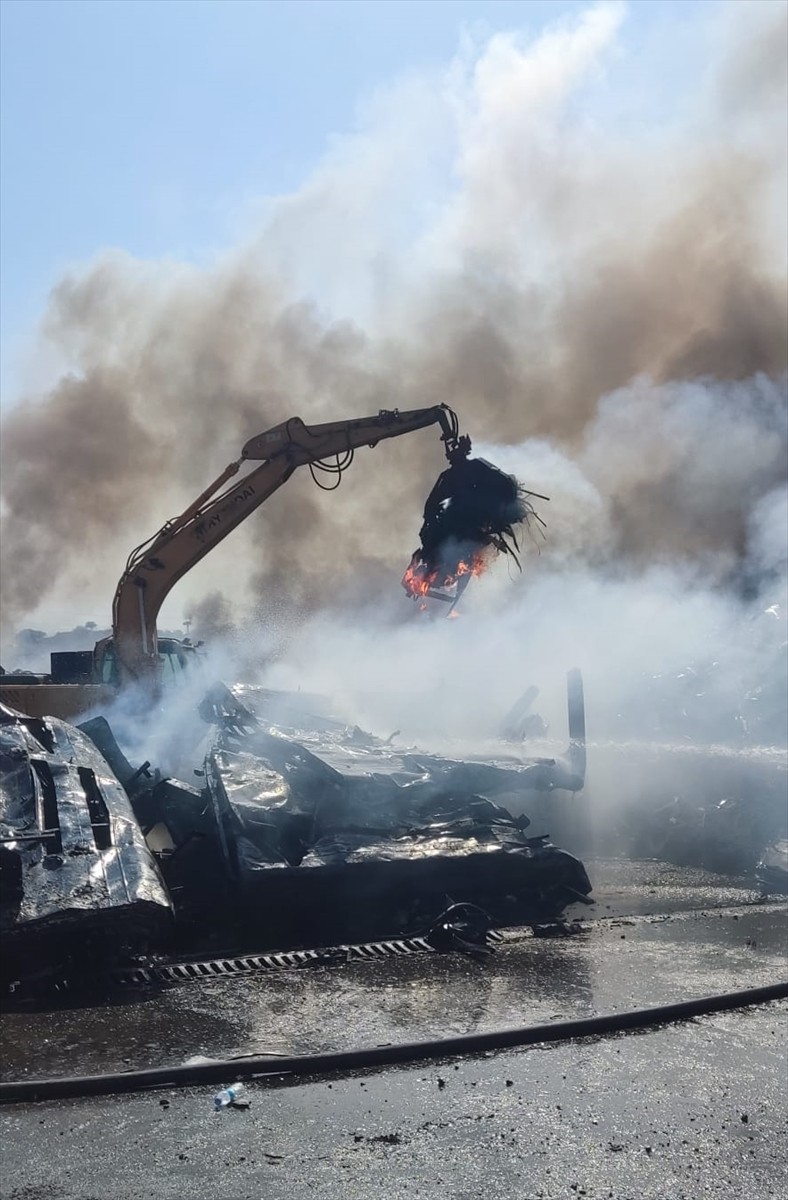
x=157, y=565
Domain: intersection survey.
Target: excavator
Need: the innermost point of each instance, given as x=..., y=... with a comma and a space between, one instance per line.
x=134, y=654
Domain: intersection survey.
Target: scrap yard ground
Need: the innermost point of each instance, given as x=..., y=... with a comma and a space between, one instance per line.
x=689, y=1110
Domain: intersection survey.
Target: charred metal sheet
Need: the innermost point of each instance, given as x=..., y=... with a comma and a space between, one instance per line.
x=337, y=835
x=77, y=875
x=353, y=753
x=332, y=835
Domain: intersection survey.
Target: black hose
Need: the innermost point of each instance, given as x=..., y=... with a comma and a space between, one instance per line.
x=378, y=1056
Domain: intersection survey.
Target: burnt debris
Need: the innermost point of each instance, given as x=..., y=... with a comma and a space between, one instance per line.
x=77, y=879
x=296, y=835
x=345, y=838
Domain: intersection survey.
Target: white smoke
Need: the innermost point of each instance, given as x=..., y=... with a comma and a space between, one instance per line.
x=625, y=622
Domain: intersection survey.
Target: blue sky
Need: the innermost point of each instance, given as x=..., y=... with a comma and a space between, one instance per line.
x=154, y=125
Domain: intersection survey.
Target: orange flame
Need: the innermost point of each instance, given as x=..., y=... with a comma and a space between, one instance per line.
x=419, y=582
x=477, y=566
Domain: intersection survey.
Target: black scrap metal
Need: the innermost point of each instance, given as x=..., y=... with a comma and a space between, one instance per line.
x=335, y=838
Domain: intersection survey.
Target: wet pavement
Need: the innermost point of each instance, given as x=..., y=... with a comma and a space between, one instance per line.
x=691, y=1110
x=685, y=1113
x=657, y=934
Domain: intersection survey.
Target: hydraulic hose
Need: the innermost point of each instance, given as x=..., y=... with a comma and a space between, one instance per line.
x=379, y=1056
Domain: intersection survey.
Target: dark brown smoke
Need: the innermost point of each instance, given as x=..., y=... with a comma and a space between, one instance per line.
x=171, y=370
x=211, y=618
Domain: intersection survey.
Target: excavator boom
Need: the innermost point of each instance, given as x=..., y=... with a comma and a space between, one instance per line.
x=157, y=565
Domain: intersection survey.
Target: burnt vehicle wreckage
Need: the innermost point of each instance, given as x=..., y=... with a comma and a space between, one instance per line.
x=334, y=838
x=331, y=838
x=299, y=835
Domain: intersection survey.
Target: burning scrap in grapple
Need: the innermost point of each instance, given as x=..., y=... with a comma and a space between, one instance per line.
x=470, y=515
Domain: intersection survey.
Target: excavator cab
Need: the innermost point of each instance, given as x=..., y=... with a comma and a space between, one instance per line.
x=175, y=658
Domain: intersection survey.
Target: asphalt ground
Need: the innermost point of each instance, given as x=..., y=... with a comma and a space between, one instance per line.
x=693, y=1110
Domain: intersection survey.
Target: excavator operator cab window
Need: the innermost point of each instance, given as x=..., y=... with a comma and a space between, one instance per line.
x=172, y=662
x=109, y=666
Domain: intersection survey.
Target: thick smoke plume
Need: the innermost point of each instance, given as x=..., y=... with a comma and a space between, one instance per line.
x=613, y=310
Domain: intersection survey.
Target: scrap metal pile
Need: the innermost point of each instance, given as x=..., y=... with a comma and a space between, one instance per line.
x=340, y=829
x=324, y=840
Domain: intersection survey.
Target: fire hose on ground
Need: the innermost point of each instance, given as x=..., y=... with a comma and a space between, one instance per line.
x=324, y=1063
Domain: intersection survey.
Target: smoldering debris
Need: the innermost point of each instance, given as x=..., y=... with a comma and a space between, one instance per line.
x=350, y=838
x=294, y=838
x=78, y=883
x=302, y=831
